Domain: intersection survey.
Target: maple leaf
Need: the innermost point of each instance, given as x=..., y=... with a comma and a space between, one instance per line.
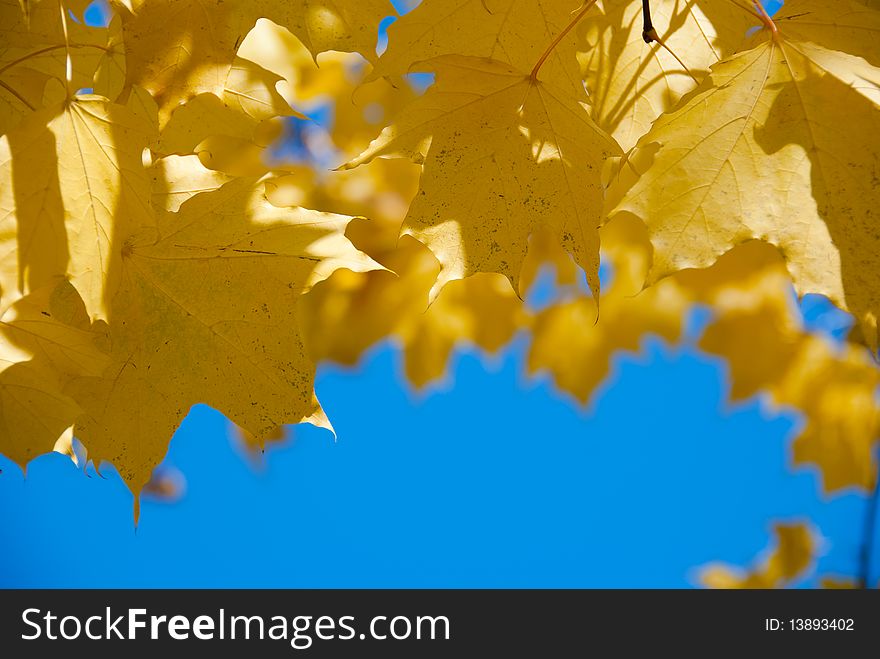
x=349, y=312
x=207, y=312
x=778, y=143
x=174, y=179
x=109, y=80
x=631, y=83
x=837, y=392
x=759, y=330
x=34, y=51
x=504, y=156
x=482, y=311
x=77, y=189
x=515, y=32
x=230, y=132
x=591, y=338
x=46, y=339
x=178, y=49
x=789, y=560
x=845, y=25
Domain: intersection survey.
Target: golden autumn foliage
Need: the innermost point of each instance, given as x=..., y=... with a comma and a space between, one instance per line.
x=160, y=248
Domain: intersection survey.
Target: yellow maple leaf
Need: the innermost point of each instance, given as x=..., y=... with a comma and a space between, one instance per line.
x=350, y=312
x=174, y=179
x=248, y=98
x=789, y=560
x=76, y=189
x=46, y=340
x=631, y=83
x=759, y=331
x=778, y=143
x=482, y=310
x=515, y=32
x=845, y=25
x=109, y=78
x=836, y=389
x=34, y=52
x=208, y=312
x=178, y=49
x=591, y=337
x=504, y=156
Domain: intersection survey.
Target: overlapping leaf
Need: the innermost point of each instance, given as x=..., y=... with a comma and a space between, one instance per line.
x=632, y=83
x=46, y=340
x=207, y=312
x=779, y=143
x=34, y=51
x=178, y=49
x=593, y=333
x=75, y=189
x=504, y=156
x=515, y=32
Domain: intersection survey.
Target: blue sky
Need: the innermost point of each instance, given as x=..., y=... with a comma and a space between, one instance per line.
x=493, y=480
x=496, y=481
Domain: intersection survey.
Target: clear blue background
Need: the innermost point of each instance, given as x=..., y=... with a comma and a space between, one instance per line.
x=494, y=480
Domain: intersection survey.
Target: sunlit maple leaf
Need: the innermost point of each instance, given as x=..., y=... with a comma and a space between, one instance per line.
x=779, y=143
x=593, y=333
x=177, y=49
x=75, y=189
x=631, y=83
x=207, y=312
x=515, y=32
x=34, y=51
x=46, y=340
x=504, y=156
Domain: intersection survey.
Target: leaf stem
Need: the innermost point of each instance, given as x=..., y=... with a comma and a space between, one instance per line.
x=765, y=18
x=560, y=37
x=868, y=535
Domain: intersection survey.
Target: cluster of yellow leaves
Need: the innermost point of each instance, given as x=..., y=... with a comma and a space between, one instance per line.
x=136, y=282
x=507, y=155
x=155, y=255
x=779, y=142
x=756, y=326
x=758, y=329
